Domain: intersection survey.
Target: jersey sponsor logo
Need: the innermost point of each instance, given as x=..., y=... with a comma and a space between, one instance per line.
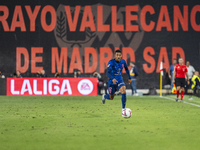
x=119, y=71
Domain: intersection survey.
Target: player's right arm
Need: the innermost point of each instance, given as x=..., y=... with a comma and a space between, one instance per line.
x=109, y=72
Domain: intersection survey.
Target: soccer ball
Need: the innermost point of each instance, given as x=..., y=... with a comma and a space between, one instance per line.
x=127, y=113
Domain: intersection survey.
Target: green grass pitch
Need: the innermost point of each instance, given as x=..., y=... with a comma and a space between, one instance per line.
x=84, y=123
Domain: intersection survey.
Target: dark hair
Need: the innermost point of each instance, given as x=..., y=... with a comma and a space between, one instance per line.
x=57, y=75
x=132, y=62
x=118, y=51
x=14, y=74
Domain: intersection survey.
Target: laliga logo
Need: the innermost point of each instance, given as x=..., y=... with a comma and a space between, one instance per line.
x=85, y=87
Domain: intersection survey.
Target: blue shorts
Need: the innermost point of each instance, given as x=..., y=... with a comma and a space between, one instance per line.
x=115, y=87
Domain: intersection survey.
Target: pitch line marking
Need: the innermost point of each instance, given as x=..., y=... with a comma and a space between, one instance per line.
x=183, y=101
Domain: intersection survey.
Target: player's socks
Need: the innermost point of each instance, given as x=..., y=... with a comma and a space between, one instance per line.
x=177, y=93
x=107, y=96
x=123, y=100
x=182, y=94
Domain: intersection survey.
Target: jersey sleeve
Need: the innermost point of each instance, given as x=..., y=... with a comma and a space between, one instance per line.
x=193, y=69
x=109, y=70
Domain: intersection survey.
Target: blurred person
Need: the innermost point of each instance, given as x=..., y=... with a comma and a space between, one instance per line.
x=57, y=75
x=191, y=71
x=180, y=71
x=18, y=73
x=38, y=74
x=195, y=82
x=43, y=74
x=101, y=84
x=167, y=79
x=77, y=74
x=170, y=72
x=134, y=75
x=14, y=75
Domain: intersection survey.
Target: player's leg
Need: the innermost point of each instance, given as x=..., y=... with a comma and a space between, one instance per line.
x=182, y=88
x=177, y=92
x=182, y=92
x=123, y=92
x=110, y=96
x=178, y=87
x=135, y=86
x=172, y=84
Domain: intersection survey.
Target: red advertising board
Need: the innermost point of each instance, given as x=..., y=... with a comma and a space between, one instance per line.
x=51, y=86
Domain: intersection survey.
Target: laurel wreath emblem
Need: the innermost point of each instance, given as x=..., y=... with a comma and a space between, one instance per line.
x=61, y=31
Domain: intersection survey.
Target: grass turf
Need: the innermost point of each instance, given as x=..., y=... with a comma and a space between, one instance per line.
x=83, y=123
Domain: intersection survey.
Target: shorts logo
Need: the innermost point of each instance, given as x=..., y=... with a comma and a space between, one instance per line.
x=110, y=89
x=85, y=87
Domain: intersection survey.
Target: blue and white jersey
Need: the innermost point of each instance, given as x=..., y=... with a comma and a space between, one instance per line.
x=114, y=70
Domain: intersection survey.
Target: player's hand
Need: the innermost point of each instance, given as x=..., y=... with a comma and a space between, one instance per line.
x=114, y=81
x=188, y=82
x=129, y=81
x=173, y=81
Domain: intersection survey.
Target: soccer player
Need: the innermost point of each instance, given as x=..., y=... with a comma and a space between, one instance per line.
x=180, y=70
x=115, y=82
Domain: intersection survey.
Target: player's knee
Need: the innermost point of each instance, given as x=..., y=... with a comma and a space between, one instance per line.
x=123, y=92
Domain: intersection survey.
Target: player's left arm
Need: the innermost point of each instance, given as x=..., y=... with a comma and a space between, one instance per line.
x=128, y=73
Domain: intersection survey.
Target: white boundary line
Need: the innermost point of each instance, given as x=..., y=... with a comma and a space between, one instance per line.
x=29, y=115
x=183, y=101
